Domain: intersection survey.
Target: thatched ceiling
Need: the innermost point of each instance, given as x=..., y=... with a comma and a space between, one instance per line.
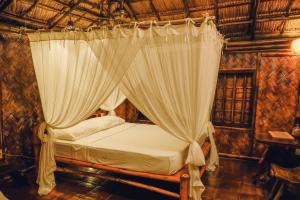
x=250, y=19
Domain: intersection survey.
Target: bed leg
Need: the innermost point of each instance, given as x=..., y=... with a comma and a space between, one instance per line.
x=184, y=186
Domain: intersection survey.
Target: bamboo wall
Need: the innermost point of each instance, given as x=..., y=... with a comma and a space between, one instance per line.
x=21, y=108
x=275, y=103
x=277, y=79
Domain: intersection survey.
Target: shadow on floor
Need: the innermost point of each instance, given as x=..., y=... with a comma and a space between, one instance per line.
x=231, y=181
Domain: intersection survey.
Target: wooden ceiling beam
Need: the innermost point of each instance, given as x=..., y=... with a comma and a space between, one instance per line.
x=258, y=42
x=264, y=46
x=10, y=28
x=264, y=36
x=55, y=21
x=258, y=50
x=194, y=9
x=225, y=2
x=79, y=8
x=137, y=1
x=94, y=5
x=254, y=47
x=288, y=11
x=222, y=23
x=59, y=13
x=295, y=15
x=129, y=9
x=24, y=22
x=4, y=4
x=16, y=21
x=154, y=10
x=186, y=8
x=49, y=8
x=253, y=17
x=4, y=30
x=28, y=10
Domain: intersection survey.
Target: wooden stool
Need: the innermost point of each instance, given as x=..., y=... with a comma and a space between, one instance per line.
x=283, y=176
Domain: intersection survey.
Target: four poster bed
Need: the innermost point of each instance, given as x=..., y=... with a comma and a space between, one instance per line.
x=167, y=72
x=138, y=150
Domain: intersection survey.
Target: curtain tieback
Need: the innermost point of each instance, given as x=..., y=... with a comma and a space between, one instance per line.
x=195, y=155
x=43, y=136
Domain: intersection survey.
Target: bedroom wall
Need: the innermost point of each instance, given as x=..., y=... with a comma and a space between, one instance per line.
x=277, y=94
x=275, y=109
x=236, y=141
x=21, y=108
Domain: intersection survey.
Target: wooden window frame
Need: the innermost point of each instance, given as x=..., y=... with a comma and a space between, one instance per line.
x=251, y=100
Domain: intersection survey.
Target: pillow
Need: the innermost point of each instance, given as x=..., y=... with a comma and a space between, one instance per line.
x=86, y=128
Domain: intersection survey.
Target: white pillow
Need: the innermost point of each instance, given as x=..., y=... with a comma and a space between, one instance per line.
x=87, y=127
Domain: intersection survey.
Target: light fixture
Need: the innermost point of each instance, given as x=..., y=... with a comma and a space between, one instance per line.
x=70, y=25
x=120, y=14
x=296, y=46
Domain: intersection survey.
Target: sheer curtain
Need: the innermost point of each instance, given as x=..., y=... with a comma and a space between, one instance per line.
x=172, y=81
x=73, y=83
x=113, y=101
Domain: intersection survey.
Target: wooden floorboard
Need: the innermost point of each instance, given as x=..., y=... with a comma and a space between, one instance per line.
x=231, y=181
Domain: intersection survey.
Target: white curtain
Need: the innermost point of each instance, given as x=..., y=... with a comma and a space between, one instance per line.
x=172, y=81
x=113, y=101
x=72, y=83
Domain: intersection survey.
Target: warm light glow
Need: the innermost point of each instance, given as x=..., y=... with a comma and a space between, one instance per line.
x=296, y=46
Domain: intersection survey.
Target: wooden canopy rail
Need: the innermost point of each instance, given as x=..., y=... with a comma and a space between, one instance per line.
x=181, y=177
x=142, y=24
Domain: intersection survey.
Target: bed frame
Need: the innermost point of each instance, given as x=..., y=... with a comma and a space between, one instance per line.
x=181, y=177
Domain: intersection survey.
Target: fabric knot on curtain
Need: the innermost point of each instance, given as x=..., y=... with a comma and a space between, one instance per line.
x=47, y=164
x=43, y=135
x=195, y=159
x=195, y=155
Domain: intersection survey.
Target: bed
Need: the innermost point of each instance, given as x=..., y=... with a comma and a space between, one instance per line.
x=132, y=149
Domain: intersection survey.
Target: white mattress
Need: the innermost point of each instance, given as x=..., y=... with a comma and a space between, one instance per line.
x=139, y=147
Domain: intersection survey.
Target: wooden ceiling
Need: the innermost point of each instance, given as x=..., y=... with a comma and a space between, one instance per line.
x=236, y=19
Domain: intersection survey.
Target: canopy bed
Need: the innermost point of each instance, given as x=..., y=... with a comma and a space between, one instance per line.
x=168, y=72
x=139, y=150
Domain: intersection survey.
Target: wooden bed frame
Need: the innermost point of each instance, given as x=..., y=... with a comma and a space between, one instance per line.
x=181, y=177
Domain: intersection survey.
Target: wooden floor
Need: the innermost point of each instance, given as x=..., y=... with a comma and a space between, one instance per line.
x=231, y=181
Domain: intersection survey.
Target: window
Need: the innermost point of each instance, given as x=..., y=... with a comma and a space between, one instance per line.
x=234, y=96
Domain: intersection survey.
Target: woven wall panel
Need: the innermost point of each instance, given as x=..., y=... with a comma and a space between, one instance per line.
x=236, y=142
x=232, y=61
x=278, y=79
x=21, y=106
x=277, y=95
x=232, y=141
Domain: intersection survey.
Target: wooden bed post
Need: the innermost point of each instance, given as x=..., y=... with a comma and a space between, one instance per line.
x=184, y=186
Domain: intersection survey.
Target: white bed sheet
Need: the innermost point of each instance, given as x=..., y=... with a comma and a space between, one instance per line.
x=78, y=149
x=139, y=147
